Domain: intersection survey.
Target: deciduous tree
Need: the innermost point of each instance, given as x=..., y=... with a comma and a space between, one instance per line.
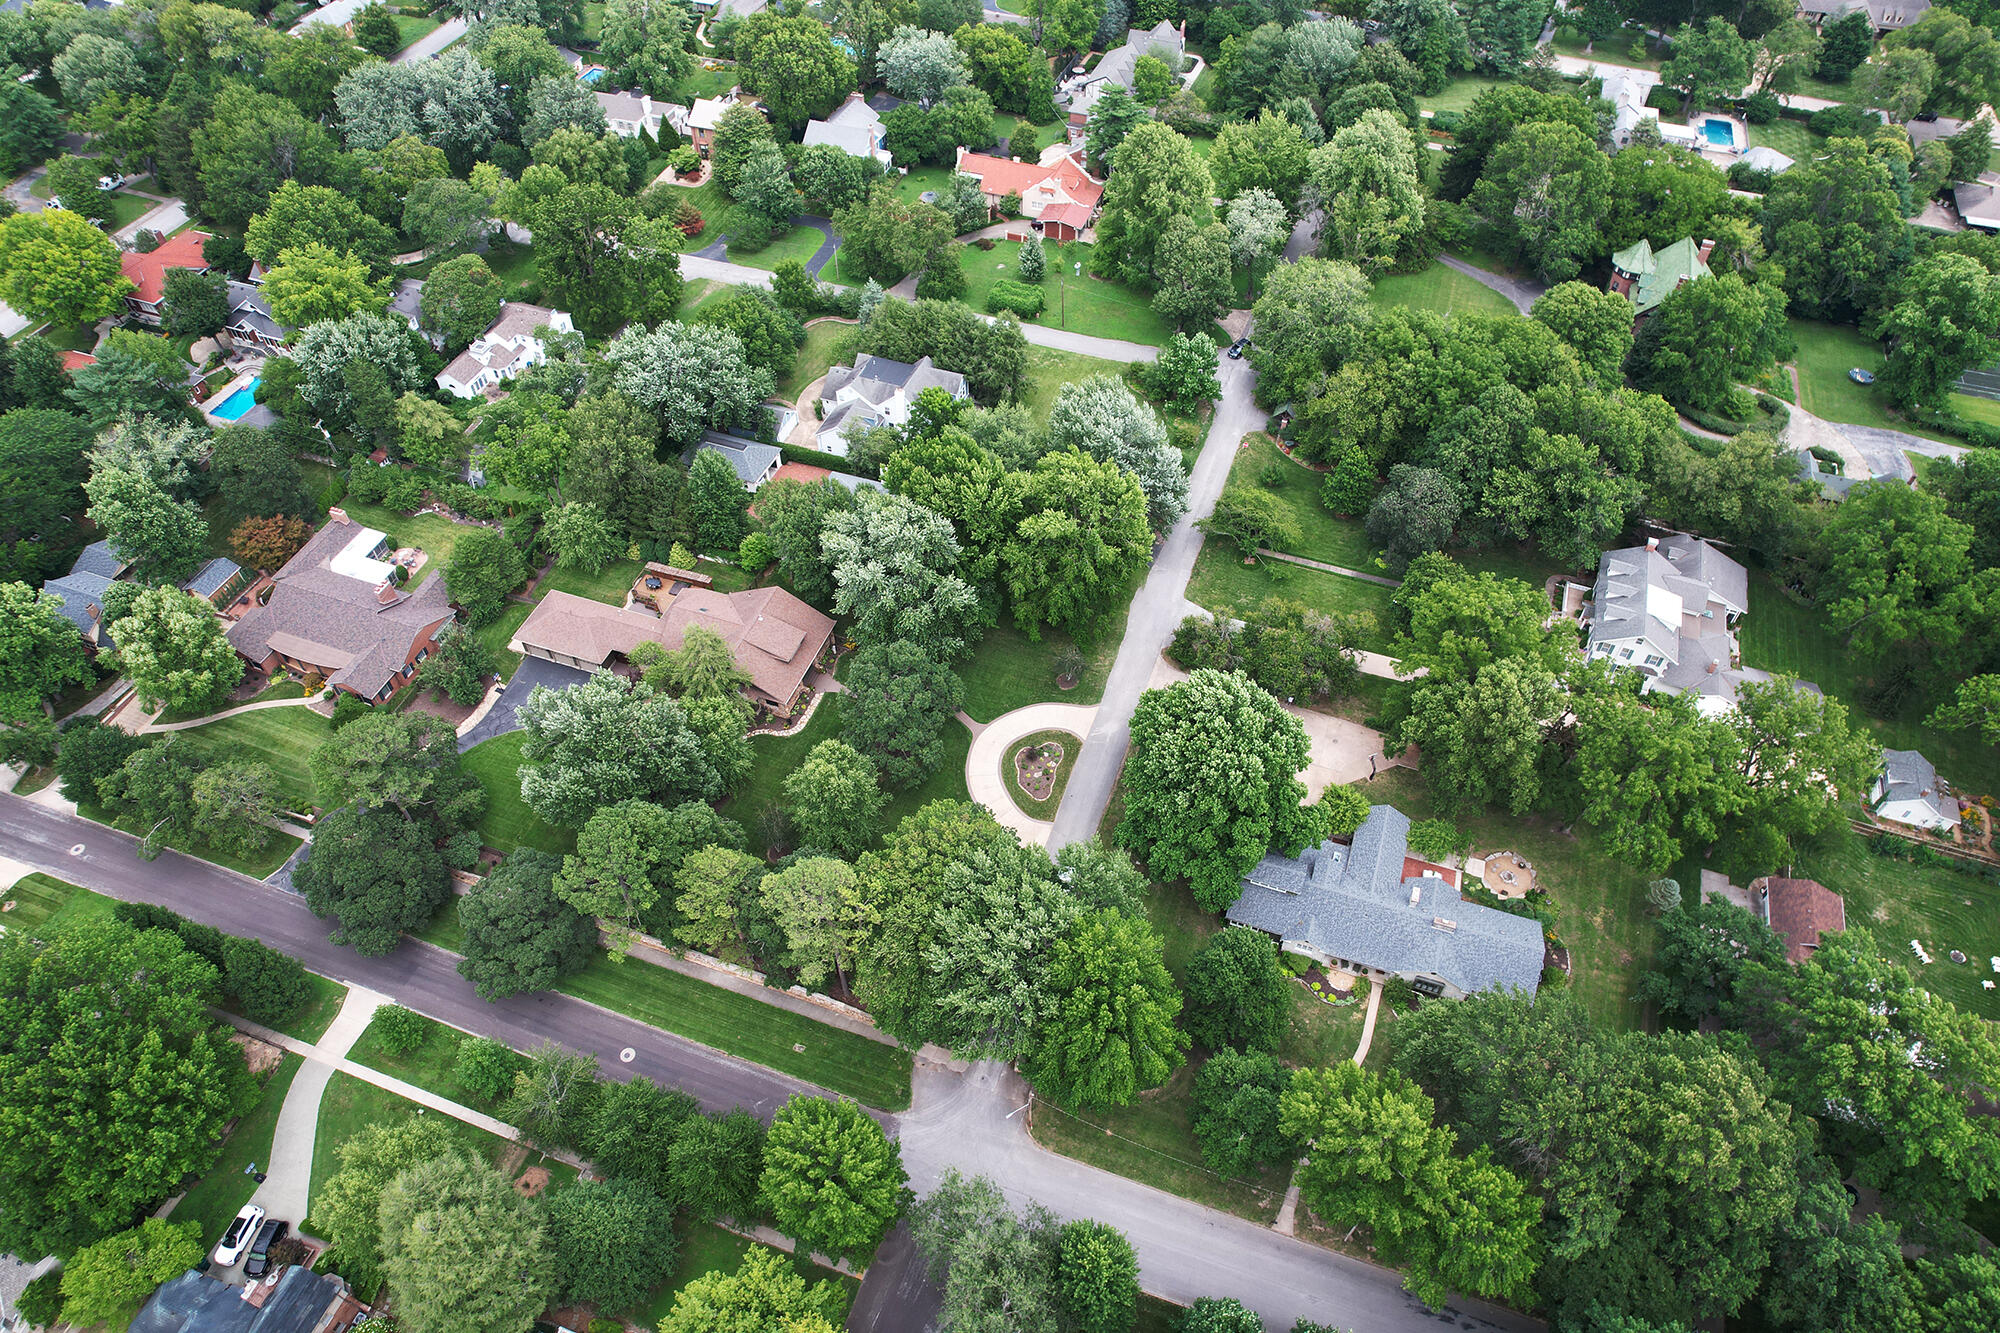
x=613, y=1240
x=520, y=935
x=40, y=651
x=899, y=702
x=834, y=799
x=695, y=377
x=894, y=567
x=1236, y=993
x=1235, y=1116
x=1109, y=1029
x=376, y=874
x=1159, y=178
x=833, y=1181
x=106, y=1282
x=173, y=650
x=1544, y=191
x=764, y=1291
x=464, y=1249
x=604, y=741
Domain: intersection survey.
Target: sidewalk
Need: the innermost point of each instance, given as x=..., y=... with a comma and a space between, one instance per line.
x=151, y=726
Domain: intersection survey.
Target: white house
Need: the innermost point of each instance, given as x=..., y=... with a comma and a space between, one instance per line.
x=508, y=347
x=876, y=391
x=853, y=128
x=625, y=114
x=336, y=14
x=1163, y=40
x=1909, y=791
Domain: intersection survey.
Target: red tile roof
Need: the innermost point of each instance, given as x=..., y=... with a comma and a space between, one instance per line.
x=1800, y=911
x=1003, y=176
x=1074, y=216
x=148, y=272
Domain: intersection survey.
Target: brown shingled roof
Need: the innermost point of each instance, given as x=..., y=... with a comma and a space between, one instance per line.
x=1800, y=911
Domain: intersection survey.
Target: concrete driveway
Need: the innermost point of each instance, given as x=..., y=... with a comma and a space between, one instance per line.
x=1341, y=751
x=984, y=776
x=500, y=719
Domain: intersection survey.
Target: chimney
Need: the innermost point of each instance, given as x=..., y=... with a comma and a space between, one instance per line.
x=1707, y=249
x=1416, y=892
x=1652, y=543
x=337, y=514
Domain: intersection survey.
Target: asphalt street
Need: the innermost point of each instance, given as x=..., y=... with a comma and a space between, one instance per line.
x=1156, y=612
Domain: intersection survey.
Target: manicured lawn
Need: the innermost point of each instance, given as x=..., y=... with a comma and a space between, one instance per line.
x=1322, y=534
x=412, y=26
x=219, y=1194
x=1456, y=95
x=800, y=243
x=351, y=1105
x=1898, y=902
x=1050, y=369
x=127, y=209
x=1222, y=579
x=609, y=584
x=722, y=218
x=1826, y=352
x=1600, y=901
x=947, y=784
x=1008, y=671
x=511, y=263
x=284, y=688
x=498, y=634
x=821, y=350
x=706, y=1248
x=508, y=822
x=1613, y=50
x=70, y=337
x=1781, y=634
x=704, y=83
x=839, y=1061
x=1790, y=137
x=429, y=1066
x=593, y=19
x=1086, y=303
x=44, y=904
x=1153, y=1315
x=284, y=738
x=433, y=534
x=281, y=847
x=1440, y=289
x=917, y=180
x=1983, y=410
x=444, y=929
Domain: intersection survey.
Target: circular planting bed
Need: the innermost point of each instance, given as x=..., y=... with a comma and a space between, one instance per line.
x=1036, y=769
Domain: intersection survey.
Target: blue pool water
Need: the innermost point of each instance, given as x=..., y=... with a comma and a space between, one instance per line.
x=1719, y=133
x=236, y=404
x=593, y=74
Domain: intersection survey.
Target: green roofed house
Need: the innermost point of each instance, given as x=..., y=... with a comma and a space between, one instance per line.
x=1646, y=276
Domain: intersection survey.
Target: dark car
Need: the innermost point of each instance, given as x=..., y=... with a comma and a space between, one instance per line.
x=268, y=1235
x=1238, y=348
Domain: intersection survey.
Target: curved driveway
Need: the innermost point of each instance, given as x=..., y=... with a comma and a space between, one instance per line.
x=985, y=778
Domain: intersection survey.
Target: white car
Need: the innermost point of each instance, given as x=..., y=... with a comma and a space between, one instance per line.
x=112, y=182
x=238, y=1237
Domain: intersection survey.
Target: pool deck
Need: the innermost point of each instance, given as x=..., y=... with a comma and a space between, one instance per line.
x=241, y=380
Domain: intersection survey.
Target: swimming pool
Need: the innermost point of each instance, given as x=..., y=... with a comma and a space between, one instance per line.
x=236, y=404
x=591, y=75
x=1720, y=133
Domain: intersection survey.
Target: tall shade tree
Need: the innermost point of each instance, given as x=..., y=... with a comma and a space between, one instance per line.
x=604, y=741
x=173, y=650
x=919, y=66
x=994, y=934
x=900, y=701
x=764, y=1292
x=1083, y=537
x=1306, y=319
x=1235, y=1113
x=695, y=377
x=1367, y=174
x=995, y=1267
x=56, y=266
x=1268, y=153
x=40, y=651
x=793, y=66
x=834, y=798
x=1710, y=64
x=614, y=1241
x=1101, y=417
x=312, y=283
x=1941, y=325
x=1543, y=193
x=1211, y=784
x=114, y=1079
x=832, y=1180
x=645, y=42
x=1237, y=995
x=348, y=1203
x=376, y=874
x=1596, y=324
x=1109, y=1032
x=817, y=903
x=484, y=567
x=405, y=762
x=467, y=1253
x=106, y=1283
x=1835, y=225
x=894, y=565
x=1159, y=178
x=460, y=301
x=1900, y=584
x=519, y=933
x=1705, y=338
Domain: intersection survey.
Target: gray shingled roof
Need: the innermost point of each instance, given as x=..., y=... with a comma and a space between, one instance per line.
x=1623, y=607
x=1908, y=776
x=209, y=579
x=749, y=458
x=78, y=593
x=877, y=379
x=1351, y=901
x=98, y=558
x=197, y=1303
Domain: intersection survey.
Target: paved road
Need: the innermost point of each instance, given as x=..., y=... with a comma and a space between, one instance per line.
x=419, y=976
x=431, y=43
x=1156, y=612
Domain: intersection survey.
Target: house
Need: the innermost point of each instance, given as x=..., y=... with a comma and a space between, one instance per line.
x=808, y=475
x=1668, y=610
x=217, y=582
x=876, y=391
x=509, y=346
x=1978, y=205
x=1909, y=791
x=74, y=360
x=1798, y=911
x=1057, y=192
x=1884, y=16
x=96, y=568
x=754, y=463
x=853, y=128
x=301, y=1301
x=704, y=115
x=336, y=611
x=774, y=637
x=1628, y=107
x=148, y=272
x=1646, y=277
x=1765, y=158
x=334, y=14
x=406, y=300
x=1833, y=487
x=251, y=324
x=742, y=9
x=1367, y=906
x=1163, y=40
x=627, y=113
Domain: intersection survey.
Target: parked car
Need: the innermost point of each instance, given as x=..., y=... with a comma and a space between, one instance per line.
x=114, y=181
x=258, y=1261
x=241, y=1232
x=1238, y=348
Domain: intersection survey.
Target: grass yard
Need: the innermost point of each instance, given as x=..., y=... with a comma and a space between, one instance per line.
x=1222, y=579
x=1600, y=902
x=1049, y=369
x=917, y=181
x=44, y=904
x=722, y=217
x=1613, y=50
x=1008, y=671
x=947, y=784
x=1790, y=137
x=508, y=822
x=1782, y=634
x=821, y=350
x=284, y=738
x=609, y=584
x=800, y=243
x=410, y=27
x=429, y=1066
x=215, y=1198
x=434, y=534
x=444, y=929
x=1154, y=1315
x=706, y=1248
x=1826, y=352
x=1087, y=303
x=1983, y=410
x=702, y=82
x=1322, y=534
x=349, y=1106
x=1456, y=95
x=281, y=847
x=1072, y=746
x=839, y=1061
x=511, y=262
x=283, y=688
x=1897, y=902
x=497, y=635
x=1441, y=289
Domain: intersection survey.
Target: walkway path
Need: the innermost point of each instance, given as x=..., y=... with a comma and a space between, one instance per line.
x=1330, y=569
x=189, y=725
x=1368, y=1023
x=288, y=1178
x=1522, y=294
x=430, y=43
x=985, y=776
x=163, y=218
x=1156, y=612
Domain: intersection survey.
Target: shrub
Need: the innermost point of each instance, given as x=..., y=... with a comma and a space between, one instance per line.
x=1399, y=994
x=400, y=1031
x=1295, y=963
x=41, y=1301
x=1761, y=108
x=349, y=708
x=1010, y=205
x=269, y=986
x=1447, y=122
x=1435, y=839
x=147, y=241
x=485, y=1068
x=943, y=278
x=684, y=160
x=1743, y=176
x=755, y=552
x=1843, y=122
x=688, y=219
x=1018, y=297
